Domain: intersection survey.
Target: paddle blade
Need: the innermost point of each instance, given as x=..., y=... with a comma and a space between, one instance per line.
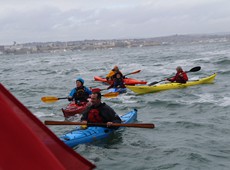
x=133, y=72
x=49, y=99
x=111, y=94
x=155, y=82
x=195, y=69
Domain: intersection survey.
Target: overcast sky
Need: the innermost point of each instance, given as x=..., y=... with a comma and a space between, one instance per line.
x=70, y=20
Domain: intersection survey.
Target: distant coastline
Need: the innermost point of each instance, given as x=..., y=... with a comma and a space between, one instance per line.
x=58, y=46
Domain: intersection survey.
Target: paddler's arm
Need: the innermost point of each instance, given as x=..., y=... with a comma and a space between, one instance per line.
x=111, y=73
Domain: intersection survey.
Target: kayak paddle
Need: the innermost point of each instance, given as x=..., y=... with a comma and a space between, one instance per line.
x=137, y=125
x=194, y=69
x=132, y=73
x=52, y=99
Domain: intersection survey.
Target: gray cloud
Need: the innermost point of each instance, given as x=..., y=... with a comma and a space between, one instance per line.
x=30, y=21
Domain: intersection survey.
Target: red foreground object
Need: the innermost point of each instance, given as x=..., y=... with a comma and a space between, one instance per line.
x=26, y=143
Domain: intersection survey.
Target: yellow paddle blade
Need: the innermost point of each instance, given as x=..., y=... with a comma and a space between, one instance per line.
x=111, y=94
x=49, y=99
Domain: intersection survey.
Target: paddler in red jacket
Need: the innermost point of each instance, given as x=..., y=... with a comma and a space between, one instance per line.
x=180, y=77
x=98, y=112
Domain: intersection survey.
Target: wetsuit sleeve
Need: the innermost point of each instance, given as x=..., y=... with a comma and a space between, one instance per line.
x=109, y=115
x=185, y=77
x=122, y=74
x=72, y=92
x=172, y=79
x=111, y=86
x=87, y=90
x=84, y=115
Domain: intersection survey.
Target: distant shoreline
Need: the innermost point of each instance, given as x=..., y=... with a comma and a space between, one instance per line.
x=58, y=46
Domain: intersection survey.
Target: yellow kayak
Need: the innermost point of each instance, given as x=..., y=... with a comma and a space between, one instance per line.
x=168, y=86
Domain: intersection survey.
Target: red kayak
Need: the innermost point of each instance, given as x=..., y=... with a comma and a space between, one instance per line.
x=127, y=81
x=73, y=109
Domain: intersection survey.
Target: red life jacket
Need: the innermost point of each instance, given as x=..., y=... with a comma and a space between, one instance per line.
x=94, y=116
x=180, y=79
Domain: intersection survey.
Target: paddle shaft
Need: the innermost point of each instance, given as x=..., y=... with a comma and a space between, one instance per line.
x=62, y=98
x=136, y=125
x=133, y=72
x=51, y=99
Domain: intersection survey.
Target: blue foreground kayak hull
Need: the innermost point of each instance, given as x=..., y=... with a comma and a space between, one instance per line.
x=119, y=90
x=92, y=134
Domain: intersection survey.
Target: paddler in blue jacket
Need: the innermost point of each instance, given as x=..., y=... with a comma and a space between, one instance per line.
x=80, y=93
x=118, y=81
x=98, y=112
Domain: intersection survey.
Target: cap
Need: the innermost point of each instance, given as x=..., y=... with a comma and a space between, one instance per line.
x=81, y=80
x=179, y=68
x=115, y=67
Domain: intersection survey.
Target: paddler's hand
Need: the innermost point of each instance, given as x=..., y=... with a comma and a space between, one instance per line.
x=89, y=104
x=84, y=126
x=109, y=124
x=70, y=98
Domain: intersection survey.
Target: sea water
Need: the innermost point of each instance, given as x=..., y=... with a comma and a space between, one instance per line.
x=192, y=124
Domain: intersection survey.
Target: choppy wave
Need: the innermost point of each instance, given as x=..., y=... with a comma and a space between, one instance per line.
x=192, y=124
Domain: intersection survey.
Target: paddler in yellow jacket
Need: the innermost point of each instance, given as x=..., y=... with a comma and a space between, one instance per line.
x=113, y=73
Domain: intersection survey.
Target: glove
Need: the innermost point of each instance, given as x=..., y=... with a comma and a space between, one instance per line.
x=78, y=102
x=70, y=99
x=83, y=126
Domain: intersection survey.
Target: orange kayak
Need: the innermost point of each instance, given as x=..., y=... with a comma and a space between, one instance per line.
x=127, y=81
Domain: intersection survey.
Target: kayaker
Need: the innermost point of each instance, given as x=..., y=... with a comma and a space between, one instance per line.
x=180, y=77
x=98, y=112
x=117, y=82
x=80, y=93
x=111, y=75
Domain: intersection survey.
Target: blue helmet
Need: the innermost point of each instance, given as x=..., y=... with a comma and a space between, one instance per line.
x=81, y=80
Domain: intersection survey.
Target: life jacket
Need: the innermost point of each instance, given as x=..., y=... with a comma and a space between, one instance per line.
x=180, y=79
x=80, y=94
x=94, y=116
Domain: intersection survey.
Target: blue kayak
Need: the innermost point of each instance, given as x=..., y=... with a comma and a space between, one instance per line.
x=94, y=133
x=119, y=90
